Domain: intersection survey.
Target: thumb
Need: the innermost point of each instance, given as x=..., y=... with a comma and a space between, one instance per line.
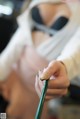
x=52, y=68
x=17, y=106
x=13, y=110
x=16, y=110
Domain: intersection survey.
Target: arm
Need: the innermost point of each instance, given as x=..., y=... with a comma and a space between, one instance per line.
x=12, y=89
x=60, y=71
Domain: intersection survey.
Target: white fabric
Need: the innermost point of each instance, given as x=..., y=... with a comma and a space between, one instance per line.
x=56, y=44
x=51, y=48
x=71, y=58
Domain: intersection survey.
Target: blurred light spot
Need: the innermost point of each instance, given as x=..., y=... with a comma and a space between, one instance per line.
x=5, y=10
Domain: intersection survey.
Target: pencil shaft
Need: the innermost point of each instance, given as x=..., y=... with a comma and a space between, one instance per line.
x=41, y=102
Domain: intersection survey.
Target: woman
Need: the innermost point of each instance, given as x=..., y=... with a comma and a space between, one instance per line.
x=67, y=66
x=41, y=43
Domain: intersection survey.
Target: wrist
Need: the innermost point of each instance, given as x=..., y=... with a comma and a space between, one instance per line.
x=62, y=63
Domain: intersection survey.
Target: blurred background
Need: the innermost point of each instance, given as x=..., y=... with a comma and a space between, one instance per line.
x=67, y=107
x=9, y=10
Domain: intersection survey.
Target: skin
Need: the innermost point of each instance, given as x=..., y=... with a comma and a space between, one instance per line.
x=19, y=91
x=58, y=83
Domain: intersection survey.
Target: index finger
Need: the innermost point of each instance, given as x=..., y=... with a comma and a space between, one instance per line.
x=52, y=68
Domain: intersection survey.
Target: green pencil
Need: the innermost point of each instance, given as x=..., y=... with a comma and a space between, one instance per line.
x=41, y=102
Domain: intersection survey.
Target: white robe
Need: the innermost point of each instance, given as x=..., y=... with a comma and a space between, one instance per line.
x=51, y=48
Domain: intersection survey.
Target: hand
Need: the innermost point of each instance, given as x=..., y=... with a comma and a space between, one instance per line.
x=58, y=83
x=23, y=99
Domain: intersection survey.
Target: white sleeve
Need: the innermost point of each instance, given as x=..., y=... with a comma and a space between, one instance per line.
x=12, y=53
x=71, y=56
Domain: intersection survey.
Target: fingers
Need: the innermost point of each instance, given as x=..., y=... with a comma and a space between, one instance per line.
x=18, y=101
x=5, y=91
x=3, y=85
x=52, y=97
x=38, y=86
x=17, y=107
x=54, y=92
x=60, y=82
x=11, y=113
x=52, y=68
